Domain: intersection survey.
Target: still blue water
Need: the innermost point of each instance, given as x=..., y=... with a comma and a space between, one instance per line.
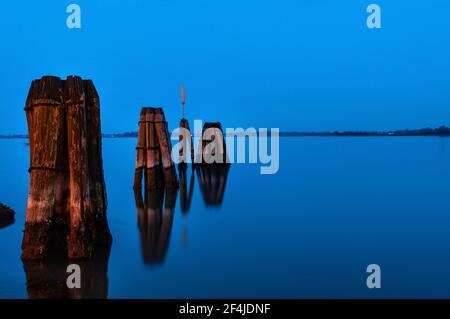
x=336, y=205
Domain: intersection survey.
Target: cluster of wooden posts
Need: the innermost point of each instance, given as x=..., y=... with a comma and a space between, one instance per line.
x=155, y=211
x=66, y=206
x=154, y=164
x=212, y=178
x=67, y=203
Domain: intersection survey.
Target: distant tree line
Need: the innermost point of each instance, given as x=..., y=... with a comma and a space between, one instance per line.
x=439, y=131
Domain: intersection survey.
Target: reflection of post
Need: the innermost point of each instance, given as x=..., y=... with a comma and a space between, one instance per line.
x=185, y=192
x=155, y=223
x=212, y=176
x=46, y=278
x=212, y=180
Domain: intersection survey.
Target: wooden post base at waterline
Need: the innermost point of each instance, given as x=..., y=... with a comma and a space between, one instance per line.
x=154, y=152
x=66, y=206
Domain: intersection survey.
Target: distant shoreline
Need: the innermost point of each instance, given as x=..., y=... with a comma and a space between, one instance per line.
x=440, y=131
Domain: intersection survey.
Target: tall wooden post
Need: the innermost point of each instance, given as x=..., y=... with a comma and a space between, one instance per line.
x=97, y=188
x=162, y=132
x=79, y=243
x=140, y=150
x=154, y=170
x=205, y=140
x=154, y=140
x=67, y=198
x=48, y=189
x=184, y=124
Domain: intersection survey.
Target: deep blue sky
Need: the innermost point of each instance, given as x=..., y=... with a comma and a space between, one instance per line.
x=297, y=65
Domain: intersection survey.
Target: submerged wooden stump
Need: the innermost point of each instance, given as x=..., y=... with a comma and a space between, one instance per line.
x=154, y=152
x=6, y=216
x=67, y=197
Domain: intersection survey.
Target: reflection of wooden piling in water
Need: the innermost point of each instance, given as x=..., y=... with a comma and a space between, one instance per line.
x=186, y=193
x=67, y=195
x=46, y=278
x=6, y=216
x=154, y=152
x=155, y=222
x=212, y=180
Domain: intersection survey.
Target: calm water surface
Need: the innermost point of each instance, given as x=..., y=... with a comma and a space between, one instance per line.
x=336, y=205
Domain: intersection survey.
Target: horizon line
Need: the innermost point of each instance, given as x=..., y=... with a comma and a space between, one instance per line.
x=442, y=130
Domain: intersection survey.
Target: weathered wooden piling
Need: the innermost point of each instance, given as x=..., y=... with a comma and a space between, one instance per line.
x=154, y=178
x=67, y=196
x=6, y=216
x=97, y=187
x=212, y=146
x=141, y=150
x=154, y=152
x=162, y=132
x=185, y=143
x=47, y=198
x=79, y=241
